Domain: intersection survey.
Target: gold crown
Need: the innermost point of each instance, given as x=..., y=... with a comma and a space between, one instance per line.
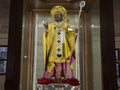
x=58, y=8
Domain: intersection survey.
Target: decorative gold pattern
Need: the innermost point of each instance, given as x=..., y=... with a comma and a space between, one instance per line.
x=59, y=27
x=58, y=8
x=59, y=45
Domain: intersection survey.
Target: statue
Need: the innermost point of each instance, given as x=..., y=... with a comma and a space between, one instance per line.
x=59, y=41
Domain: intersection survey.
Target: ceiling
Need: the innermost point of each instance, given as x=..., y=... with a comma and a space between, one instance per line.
x=48, y=4
x=57, y=1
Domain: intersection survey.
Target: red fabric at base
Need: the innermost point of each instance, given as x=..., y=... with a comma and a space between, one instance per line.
x=71, y=81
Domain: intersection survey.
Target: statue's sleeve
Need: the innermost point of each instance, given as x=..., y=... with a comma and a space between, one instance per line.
x=44, y=47
x=46, y=44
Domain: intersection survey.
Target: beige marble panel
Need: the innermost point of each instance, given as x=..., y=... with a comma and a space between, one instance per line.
x=117, y=42
x=2, y=82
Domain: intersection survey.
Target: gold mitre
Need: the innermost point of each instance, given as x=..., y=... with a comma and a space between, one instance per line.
x=59, y=8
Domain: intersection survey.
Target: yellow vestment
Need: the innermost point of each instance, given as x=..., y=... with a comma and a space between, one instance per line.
x=49, y=45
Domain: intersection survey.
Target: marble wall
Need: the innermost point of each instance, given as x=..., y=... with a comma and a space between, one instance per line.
x=96, y=48
x=4, y=20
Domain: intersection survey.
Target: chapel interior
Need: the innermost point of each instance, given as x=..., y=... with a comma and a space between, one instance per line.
x=21, y=31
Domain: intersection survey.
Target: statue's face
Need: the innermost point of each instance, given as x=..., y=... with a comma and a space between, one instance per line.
x=58, y=17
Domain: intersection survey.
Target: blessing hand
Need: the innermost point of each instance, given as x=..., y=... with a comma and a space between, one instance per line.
x=45, y=25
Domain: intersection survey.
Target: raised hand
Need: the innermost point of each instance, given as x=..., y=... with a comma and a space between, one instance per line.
x=45, y=25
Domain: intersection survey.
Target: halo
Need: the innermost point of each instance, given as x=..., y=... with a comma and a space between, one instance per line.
x=59, y=8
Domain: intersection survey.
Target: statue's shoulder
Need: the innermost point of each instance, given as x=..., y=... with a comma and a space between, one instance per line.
x=51, y=24
x=66, y=25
